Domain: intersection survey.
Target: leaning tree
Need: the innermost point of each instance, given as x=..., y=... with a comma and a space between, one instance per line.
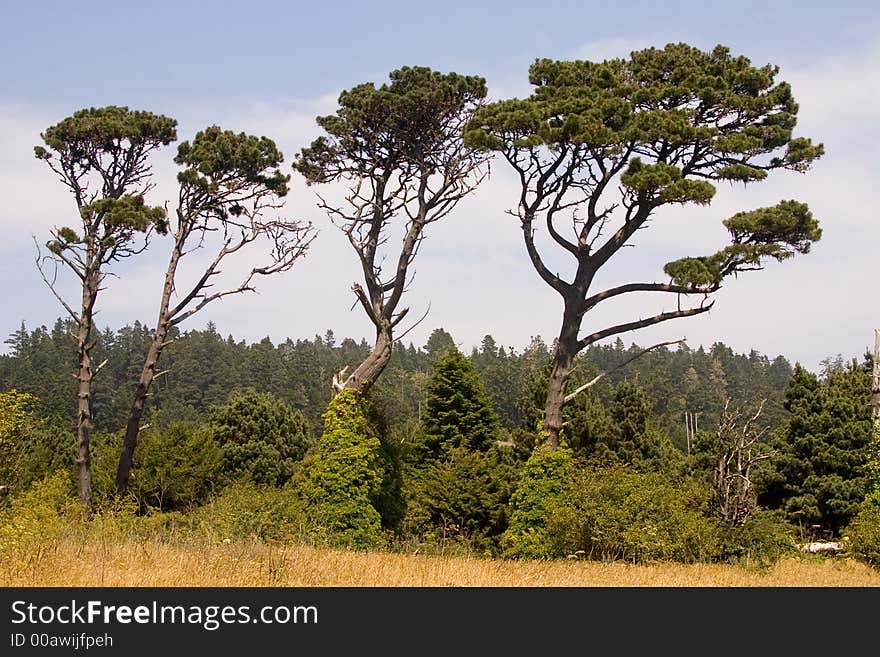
x=599, y=148
x=398, y=149
x=230, y=186
x=101, y=156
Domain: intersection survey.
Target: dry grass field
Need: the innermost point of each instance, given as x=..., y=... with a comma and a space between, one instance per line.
x=193, y=563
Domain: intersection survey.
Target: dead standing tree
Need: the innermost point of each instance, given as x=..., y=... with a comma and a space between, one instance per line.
x=738, y=447
x=101, y=156
x=398, y=149
x=230, y=185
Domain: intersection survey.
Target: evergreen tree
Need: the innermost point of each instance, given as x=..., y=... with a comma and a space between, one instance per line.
x=506, y=381
x=438, y=343
x=637, y=441
x=463, y=496
x=461, y=486
x=822, y=472
x=615, y=141
x=261, y=436
x=398, y=150
x=458, y=413
x=343, y=476
x=101, y=155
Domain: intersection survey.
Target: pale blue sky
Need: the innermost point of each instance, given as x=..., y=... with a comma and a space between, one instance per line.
x=269, y=67
x=173, y=53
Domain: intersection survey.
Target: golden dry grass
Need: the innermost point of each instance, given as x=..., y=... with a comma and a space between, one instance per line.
x=194, y=563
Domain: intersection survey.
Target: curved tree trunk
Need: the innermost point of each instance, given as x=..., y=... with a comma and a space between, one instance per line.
x=366, y=374
x=148, y=373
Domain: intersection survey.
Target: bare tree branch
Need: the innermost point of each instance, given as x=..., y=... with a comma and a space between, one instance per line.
x=589, y=384
x=51, y=284
x=650, y=321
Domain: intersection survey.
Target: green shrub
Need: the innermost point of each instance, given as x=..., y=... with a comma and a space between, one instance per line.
x=104, y=451
x=764, y=539
x=260, y=436
x=16, y=422
x=36, y=519
x=343, y=476
x=175, y=468
x=245, y=510
x=543, y=483
x=615, y=512
x=864, y=533
x=461, y=497
x=30, y=447
x=389, y=501
x=47, y=446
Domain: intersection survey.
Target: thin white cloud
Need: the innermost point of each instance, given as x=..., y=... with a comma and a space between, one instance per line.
x=614, y=47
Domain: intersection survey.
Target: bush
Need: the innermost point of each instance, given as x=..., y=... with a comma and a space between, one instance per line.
x=245, y=510
x=16, y=421
x=175, y=468
x=47, y=446
x=260, y=436
x=463, y=497
x=104, y=451
x=30, y=447
x=389, y=501
x=864, y=533
x=343, y=476
x=764, y=539
x=614, y=512
x=544, y=481
x=36, y=519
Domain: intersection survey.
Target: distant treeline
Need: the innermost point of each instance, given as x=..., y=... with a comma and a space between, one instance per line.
x=202, y=368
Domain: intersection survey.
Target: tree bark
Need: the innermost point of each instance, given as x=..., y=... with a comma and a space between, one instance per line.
x=133, y=425
x=84, y=389
x=148, y=373
x=566, y=350
x=369, y=370
x=84, y=415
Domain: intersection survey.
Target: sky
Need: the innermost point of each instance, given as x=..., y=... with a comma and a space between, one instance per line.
x=270, y=68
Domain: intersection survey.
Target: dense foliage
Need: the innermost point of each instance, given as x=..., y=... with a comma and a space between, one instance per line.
x=203, y=368
x=457, y=411
x=442, y=452
x=458, y=479
x=343, y=476
x=617, y=513
x=822, y=473
x=259, y=436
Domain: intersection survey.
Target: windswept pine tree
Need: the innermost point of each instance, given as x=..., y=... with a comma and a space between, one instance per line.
x=102, y=157
x=398, y=148
x=600, y=148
